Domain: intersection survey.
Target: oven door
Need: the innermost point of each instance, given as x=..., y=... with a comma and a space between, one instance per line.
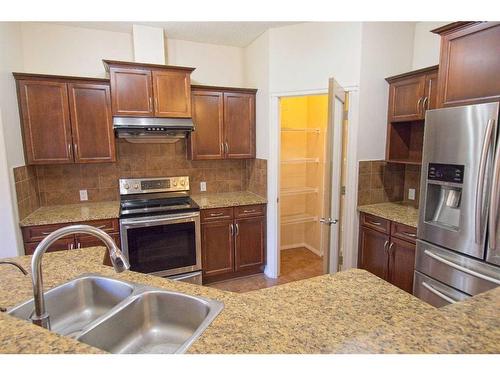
x=162, y=245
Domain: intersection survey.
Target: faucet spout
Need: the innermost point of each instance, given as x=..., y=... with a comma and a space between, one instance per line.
x=12, y=263
x=120, y=263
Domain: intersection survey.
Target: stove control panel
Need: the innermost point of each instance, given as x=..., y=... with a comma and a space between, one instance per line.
x=153, y=185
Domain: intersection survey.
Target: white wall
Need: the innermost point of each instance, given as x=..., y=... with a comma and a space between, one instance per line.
x=215, y=64
x=149, y=44
x=304, y=56
x=57, y=49
x=426, y=45
x=11, y=149
x=387, y=49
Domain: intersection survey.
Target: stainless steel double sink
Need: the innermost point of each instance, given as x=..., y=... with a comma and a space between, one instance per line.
x=125, y=317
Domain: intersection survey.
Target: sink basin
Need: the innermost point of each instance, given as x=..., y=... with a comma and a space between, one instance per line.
x=123, y=317
x=154, y=321
x=73, y=305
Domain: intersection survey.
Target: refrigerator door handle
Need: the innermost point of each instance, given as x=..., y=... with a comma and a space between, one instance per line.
x=480, y=181
x=461, y=268
x=494, y=202
x=438, y=293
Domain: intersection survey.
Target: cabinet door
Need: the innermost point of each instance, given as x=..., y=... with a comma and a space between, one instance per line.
x=45, y=121
x=372, y=248
x=405, y=99
x=239, y=125
x=92, y=128
x=206, y=142
x=401, y=264
x=172, y=93
x=131, y=92
x=217, y=248
x=431, y=88
x=65, y=243
x=469, y=66
x=249, y=248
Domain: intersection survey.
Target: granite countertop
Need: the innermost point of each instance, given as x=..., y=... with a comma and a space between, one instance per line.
x=219, y=200
x=393, y=211
x=350, y=312
x=72, y=213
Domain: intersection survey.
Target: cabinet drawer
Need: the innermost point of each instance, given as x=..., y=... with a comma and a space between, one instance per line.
x=39, y=232
x=404, y=232
x=214, y=214
x=65, y=243
x=248, y=211
x=375, y=222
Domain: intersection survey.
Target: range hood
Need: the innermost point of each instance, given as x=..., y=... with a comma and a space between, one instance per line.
x=152, y=129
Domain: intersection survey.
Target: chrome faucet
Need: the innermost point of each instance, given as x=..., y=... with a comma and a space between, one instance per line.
x=19, y=267
x=120, y=263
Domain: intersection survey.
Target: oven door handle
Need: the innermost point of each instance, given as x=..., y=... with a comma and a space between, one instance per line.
x=129, y=223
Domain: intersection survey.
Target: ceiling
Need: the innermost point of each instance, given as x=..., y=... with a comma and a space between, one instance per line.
x=237, y=34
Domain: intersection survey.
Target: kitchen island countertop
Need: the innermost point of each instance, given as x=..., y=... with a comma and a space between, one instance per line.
x=350, y=312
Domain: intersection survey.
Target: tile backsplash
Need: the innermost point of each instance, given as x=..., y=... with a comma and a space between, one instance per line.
x=26, y=190
x=379, y=182
x=60, y=184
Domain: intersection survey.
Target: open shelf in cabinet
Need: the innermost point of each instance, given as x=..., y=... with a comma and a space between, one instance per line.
x=405, y=142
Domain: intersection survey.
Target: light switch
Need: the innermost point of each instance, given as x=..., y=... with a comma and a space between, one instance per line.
x=411, y=194
x=83, y=195
x=203, y=186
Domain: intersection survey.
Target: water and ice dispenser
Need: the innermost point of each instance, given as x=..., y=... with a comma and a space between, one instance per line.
x=444, y=193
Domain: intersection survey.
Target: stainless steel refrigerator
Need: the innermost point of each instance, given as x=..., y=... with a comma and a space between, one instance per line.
x=458, y=245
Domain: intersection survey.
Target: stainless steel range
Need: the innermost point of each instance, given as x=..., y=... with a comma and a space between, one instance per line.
x=160, y=227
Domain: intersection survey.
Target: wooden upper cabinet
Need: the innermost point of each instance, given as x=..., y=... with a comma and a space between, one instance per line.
x=149, y=90
x=411, y=94
x=45, y=121
x=239, y=124
x=132, y=92
x=65, y=119
x=469, y=63
x=172, y=93
x=90, y=110
x=206, y=142
x=224, y=120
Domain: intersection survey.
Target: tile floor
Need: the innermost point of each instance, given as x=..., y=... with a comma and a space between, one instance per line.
x=296, y=264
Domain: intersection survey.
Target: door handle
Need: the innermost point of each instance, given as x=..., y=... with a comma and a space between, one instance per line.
x=328, y=221
x=480, y=180
x=494, y=202
x=438, y=293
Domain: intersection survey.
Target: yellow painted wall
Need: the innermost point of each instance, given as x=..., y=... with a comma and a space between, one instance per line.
x=300, y=113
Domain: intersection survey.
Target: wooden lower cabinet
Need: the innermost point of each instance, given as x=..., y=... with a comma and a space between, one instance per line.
x=33, y=235
x=388, y=253
x=217, y=248
x=373, y=252
x=233, y=242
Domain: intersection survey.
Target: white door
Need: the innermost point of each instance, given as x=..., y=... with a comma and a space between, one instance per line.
x=333, y=176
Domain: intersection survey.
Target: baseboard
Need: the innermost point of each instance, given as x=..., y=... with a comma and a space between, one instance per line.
x=302, y=244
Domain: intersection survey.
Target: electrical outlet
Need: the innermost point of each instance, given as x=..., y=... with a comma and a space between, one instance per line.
x=411, y=194
x=83, y=195
x=203, y=186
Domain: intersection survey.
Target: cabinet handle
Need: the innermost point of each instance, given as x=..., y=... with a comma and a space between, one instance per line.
x=71, y=246
x=385, y=246
x=418, y=104
x=231, y=229
x=425, y=103
x=75, y=147
x=374, y=222
x=390, y=248
x=226, y=147
x=217, y=214
x=248, y=211
x=237, y=229
x=412, y=235
x=221, y=147
x=101, y=226
x=78, y=245
x=150, y=104
x=70, y=150
x=46, y=233
x=156, y=103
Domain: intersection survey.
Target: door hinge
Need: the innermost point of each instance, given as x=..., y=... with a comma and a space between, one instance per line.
x=342, y=190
